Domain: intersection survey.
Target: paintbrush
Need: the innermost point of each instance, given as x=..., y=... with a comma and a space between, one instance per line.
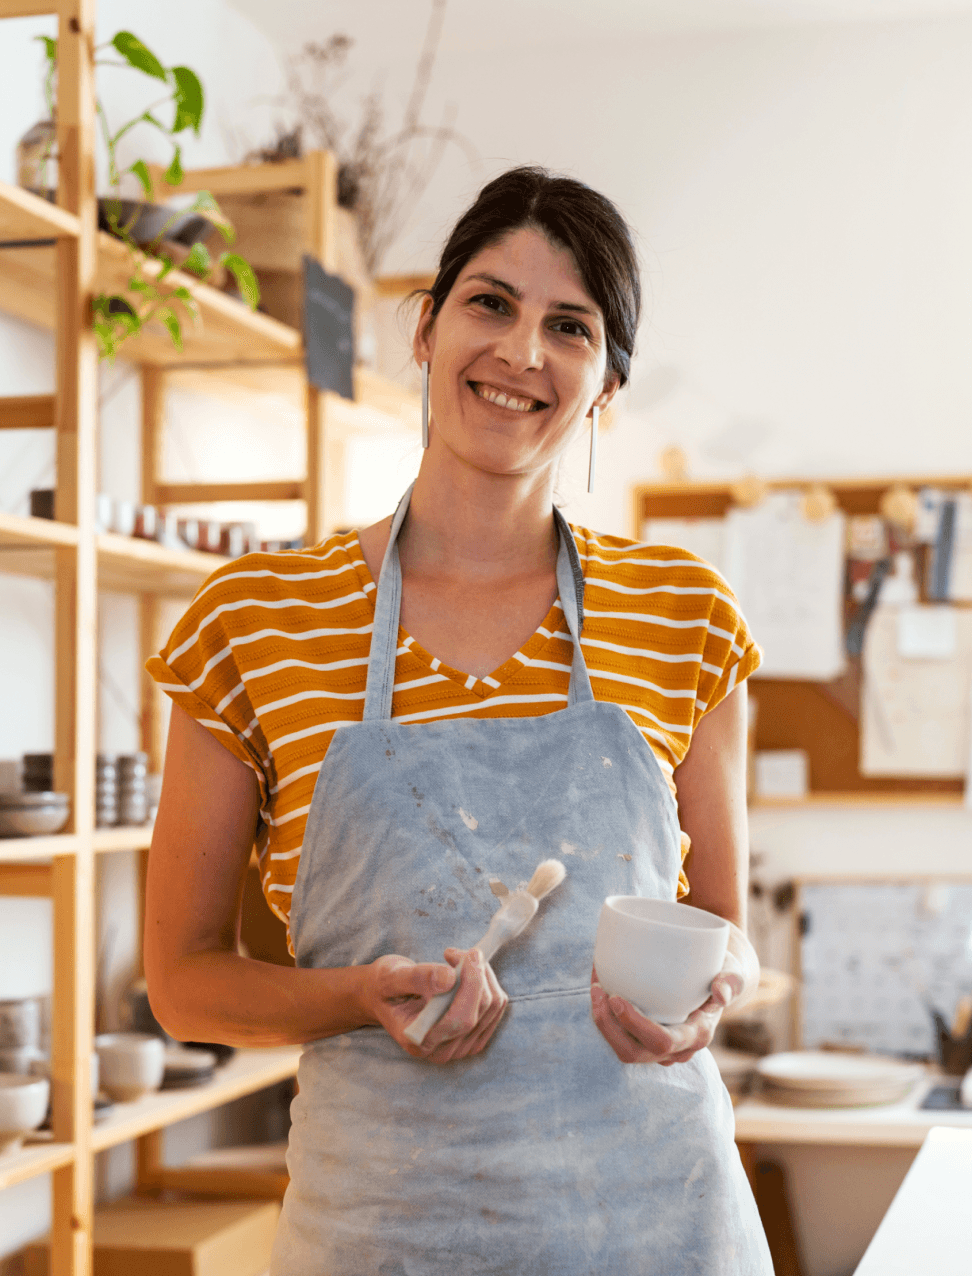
x=511, y=919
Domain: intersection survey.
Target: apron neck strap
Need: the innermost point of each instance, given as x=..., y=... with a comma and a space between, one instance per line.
x=388, y=604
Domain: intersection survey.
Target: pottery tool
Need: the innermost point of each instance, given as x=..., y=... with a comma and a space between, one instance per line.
x=511, y=918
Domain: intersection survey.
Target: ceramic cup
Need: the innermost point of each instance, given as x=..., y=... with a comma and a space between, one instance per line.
x=23, y=1107
x=660, y=956
x=23, y=1060
x=130, y=1063
x=19, y=1023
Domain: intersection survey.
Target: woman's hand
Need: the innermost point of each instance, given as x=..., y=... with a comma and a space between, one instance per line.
x=398, y=989
x=637, y=1039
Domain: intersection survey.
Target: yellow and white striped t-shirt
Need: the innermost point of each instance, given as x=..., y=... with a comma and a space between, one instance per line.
x=272, y=656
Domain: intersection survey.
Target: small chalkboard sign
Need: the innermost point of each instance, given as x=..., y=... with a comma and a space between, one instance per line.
x=328, y=330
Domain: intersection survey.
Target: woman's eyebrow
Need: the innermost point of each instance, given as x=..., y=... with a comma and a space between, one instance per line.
x=517, y=295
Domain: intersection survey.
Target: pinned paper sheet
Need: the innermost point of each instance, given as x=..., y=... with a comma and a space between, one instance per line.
x=927, y=633
x=703, y=536
x=788, y=575
x=915, y=710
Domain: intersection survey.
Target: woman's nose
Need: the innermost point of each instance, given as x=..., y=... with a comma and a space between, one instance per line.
x=521, y=345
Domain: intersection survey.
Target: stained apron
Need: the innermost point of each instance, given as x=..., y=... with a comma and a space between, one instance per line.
x=543, y=1155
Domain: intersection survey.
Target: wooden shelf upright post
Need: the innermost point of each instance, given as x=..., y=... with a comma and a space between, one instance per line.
x=321, y=169
x=75, y=629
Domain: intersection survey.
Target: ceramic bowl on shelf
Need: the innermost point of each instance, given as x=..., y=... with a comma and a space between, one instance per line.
x=33, y=814
x=131, y=1064
x=23, y=1106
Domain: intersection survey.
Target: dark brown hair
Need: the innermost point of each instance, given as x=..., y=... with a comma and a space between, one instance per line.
x=571, y=215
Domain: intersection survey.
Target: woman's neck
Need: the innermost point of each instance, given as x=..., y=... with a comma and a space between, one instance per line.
x=470, y=524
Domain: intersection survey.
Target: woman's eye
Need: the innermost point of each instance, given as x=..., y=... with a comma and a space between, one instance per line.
x=490, y=301
x=572, y=328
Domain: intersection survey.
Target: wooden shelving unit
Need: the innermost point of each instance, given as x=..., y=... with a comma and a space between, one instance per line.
x=819, y=717
x=53, y=261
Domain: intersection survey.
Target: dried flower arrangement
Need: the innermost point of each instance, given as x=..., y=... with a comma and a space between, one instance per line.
x=381, y=175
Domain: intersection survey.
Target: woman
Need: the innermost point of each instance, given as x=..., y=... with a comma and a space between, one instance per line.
x=512, y=689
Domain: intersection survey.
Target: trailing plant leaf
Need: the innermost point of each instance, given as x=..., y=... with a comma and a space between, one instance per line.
x=137, y=55
x=246, y=280
x=173, y=174
x=208, y=208
x=199, y=261
x=189, y=100
x=140, y=169
x=171, y=321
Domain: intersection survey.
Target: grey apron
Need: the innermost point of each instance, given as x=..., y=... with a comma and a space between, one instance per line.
x=543, y=1155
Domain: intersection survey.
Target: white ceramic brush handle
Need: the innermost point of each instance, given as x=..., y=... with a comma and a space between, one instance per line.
x=512, y=917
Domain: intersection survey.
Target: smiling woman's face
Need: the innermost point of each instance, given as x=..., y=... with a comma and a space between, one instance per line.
x=516, y=355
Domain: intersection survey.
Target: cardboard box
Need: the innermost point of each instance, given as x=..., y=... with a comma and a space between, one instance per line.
x=182, y=1238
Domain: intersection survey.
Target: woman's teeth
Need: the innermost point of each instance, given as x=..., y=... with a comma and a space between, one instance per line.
x=492, y=395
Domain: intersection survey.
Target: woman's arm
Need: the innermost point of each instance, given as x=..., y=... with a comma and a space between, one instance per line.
x=201, y=989
x=711, y=785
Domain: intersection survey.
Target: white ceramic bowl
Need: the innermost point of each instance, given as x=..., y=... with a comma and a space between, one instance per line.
x=33, y=814
x=23, y=1106
x=660, y=956
x=131, y=1064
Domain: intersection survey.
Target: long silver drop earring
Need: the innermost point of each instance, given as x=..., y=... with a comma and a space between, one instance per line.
x=595, y=413
x=425, y=405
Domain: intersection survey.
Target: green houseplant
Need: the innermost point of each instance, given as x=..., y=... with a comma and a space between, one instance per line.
x=118, y=316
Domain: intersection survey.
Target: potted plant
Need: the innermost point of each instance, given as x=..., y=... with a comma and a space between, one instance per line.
x=151, y=231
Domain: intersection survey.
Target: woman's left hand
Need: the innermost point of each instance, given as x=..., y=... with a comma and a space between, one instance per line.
x=636, y=1039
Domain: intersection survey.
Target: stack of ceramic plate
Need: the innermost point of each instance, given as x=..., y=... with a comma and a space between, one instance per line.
x=184, y=1067
x=33, y=814
x=825, y=1079
x=132, y=804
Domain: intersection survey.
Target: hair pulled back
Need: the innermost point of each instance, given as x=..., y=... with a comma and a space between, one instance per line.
x=572, y=215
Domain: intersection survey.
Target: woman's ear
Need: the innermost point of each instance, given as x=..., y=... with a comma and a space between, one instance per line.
x=612, y=383
x=422, y=341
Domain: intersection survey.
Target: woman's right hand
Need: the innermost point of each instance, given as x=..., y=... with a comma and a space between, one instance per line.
x=397, y=989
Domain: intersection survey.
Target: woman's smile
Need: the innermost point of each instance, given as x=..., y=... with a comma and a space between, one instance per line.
x=505, y=398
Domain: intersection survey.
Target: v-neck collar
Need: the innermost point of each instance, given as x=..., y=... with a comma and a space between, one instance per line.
x=552, y=626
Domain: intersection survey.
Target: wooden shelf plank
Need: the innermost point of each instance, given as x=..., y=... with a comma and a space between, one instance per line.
x=236, y=179
x=34, y=881
x=204, y=493
x=851, y=798
x=135, y=838
x=24, y=215
x=27, y=412
x=33, y=1159
x=248, y=1071
x=129, y=565
x=227, y=331
x=18, y=532
x=125, y=563
x=25, y=850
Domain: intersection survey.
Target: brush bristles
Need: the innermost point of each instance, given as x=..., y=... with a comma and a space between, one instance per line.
x=548, y=875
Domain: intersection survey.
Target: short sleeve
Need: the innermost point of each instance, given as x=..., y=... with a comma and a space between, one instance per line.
x=730, y=653
x=197, y=668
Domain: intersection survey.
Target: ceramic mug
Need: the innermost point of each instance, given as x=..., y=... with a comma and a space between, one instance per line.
x=20, y=1023
x=131, y=1064
x=659, y=955
x=23, y=1106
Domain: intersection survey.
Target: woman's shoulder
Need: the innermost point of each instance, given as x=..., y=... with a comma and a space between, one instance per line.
x=331, y=567
x=623, y=562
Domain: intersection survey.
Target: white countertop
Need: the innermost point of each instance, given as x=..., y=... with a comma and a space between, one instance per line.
x=903, y=1124
x=928, y=1226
